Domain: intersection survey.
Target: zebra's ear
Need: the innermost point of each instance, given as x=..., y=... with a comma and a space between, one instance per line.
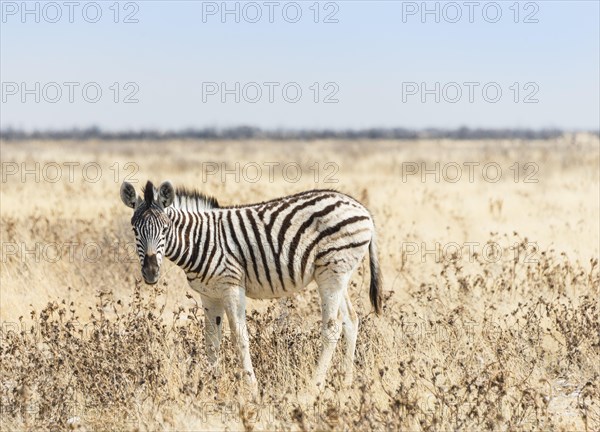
x=128, y=195
x=166, y=194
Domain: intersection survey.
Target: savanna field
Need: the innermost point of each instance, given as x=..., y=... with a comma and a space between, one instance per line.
x=489, y=253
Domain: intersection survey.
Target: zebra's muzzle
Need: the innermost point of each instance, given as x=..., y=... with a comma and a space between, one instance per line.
x=150, y=269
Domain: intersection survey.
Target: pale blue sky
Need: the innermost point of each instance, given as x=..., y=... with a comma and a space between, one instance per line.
x=368, y=54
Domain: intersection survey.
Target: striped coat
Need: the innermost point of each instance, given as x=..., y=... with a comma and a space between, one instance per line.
x=271, y=248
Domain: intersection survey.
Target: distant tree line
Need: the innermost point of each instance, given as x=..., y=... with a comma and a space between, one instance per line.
x=247, y=132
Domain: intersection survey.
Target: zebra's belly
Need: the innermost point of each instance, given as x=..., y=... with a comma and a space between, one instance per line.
x=254, y=290
x=208, y=289
x=273, y=290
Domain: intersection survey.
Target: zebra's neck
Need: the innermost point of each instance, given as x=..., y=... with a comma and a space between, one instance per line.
x=191, y=235
x=190, y=226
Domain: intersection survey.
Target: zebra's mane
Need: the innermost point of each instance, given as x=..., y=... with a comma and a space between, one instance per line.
x=192, y=200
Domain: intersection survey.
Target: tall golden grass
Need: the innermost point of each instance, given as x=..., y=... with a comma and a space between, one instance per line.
x=491, y=287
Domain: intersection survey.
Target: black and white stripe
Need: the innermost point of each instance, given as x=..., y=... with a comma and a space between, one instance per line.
x=271, y=248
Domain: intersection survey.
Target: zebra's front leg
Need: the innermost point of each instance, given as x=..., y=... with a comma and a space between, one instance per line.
x=213, y=330
x=234, y=299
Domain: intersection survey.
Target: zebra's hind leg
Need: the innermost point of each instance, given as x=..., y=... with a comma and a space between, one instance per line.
x=331, y=289
x=350, y=330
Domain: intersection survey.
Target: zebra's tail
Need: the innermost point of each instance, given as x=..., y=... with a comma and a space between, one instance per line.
x=375, y=289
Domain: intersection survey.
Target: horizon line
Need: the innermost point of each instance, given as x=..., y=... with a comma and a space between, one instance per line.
x=284, y=134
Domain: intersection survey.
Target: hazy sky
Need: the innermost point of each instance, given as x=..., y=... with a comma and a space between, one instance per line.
x=381, y=64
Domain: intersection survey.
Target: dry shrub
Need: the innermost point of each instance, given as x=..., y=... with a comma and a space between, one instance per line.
x=441, y=362
x=464, y=343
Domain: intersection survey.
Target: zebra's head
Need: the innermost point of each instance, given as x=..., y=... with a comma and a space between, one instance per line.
x=150, y=224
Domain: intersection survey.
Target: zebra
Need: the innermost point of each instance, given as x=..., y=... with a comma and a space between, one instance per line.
x=270, y=249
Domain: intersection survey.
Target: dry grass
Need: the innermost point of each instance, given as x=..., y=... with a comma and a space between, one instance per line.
x=466, y=341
